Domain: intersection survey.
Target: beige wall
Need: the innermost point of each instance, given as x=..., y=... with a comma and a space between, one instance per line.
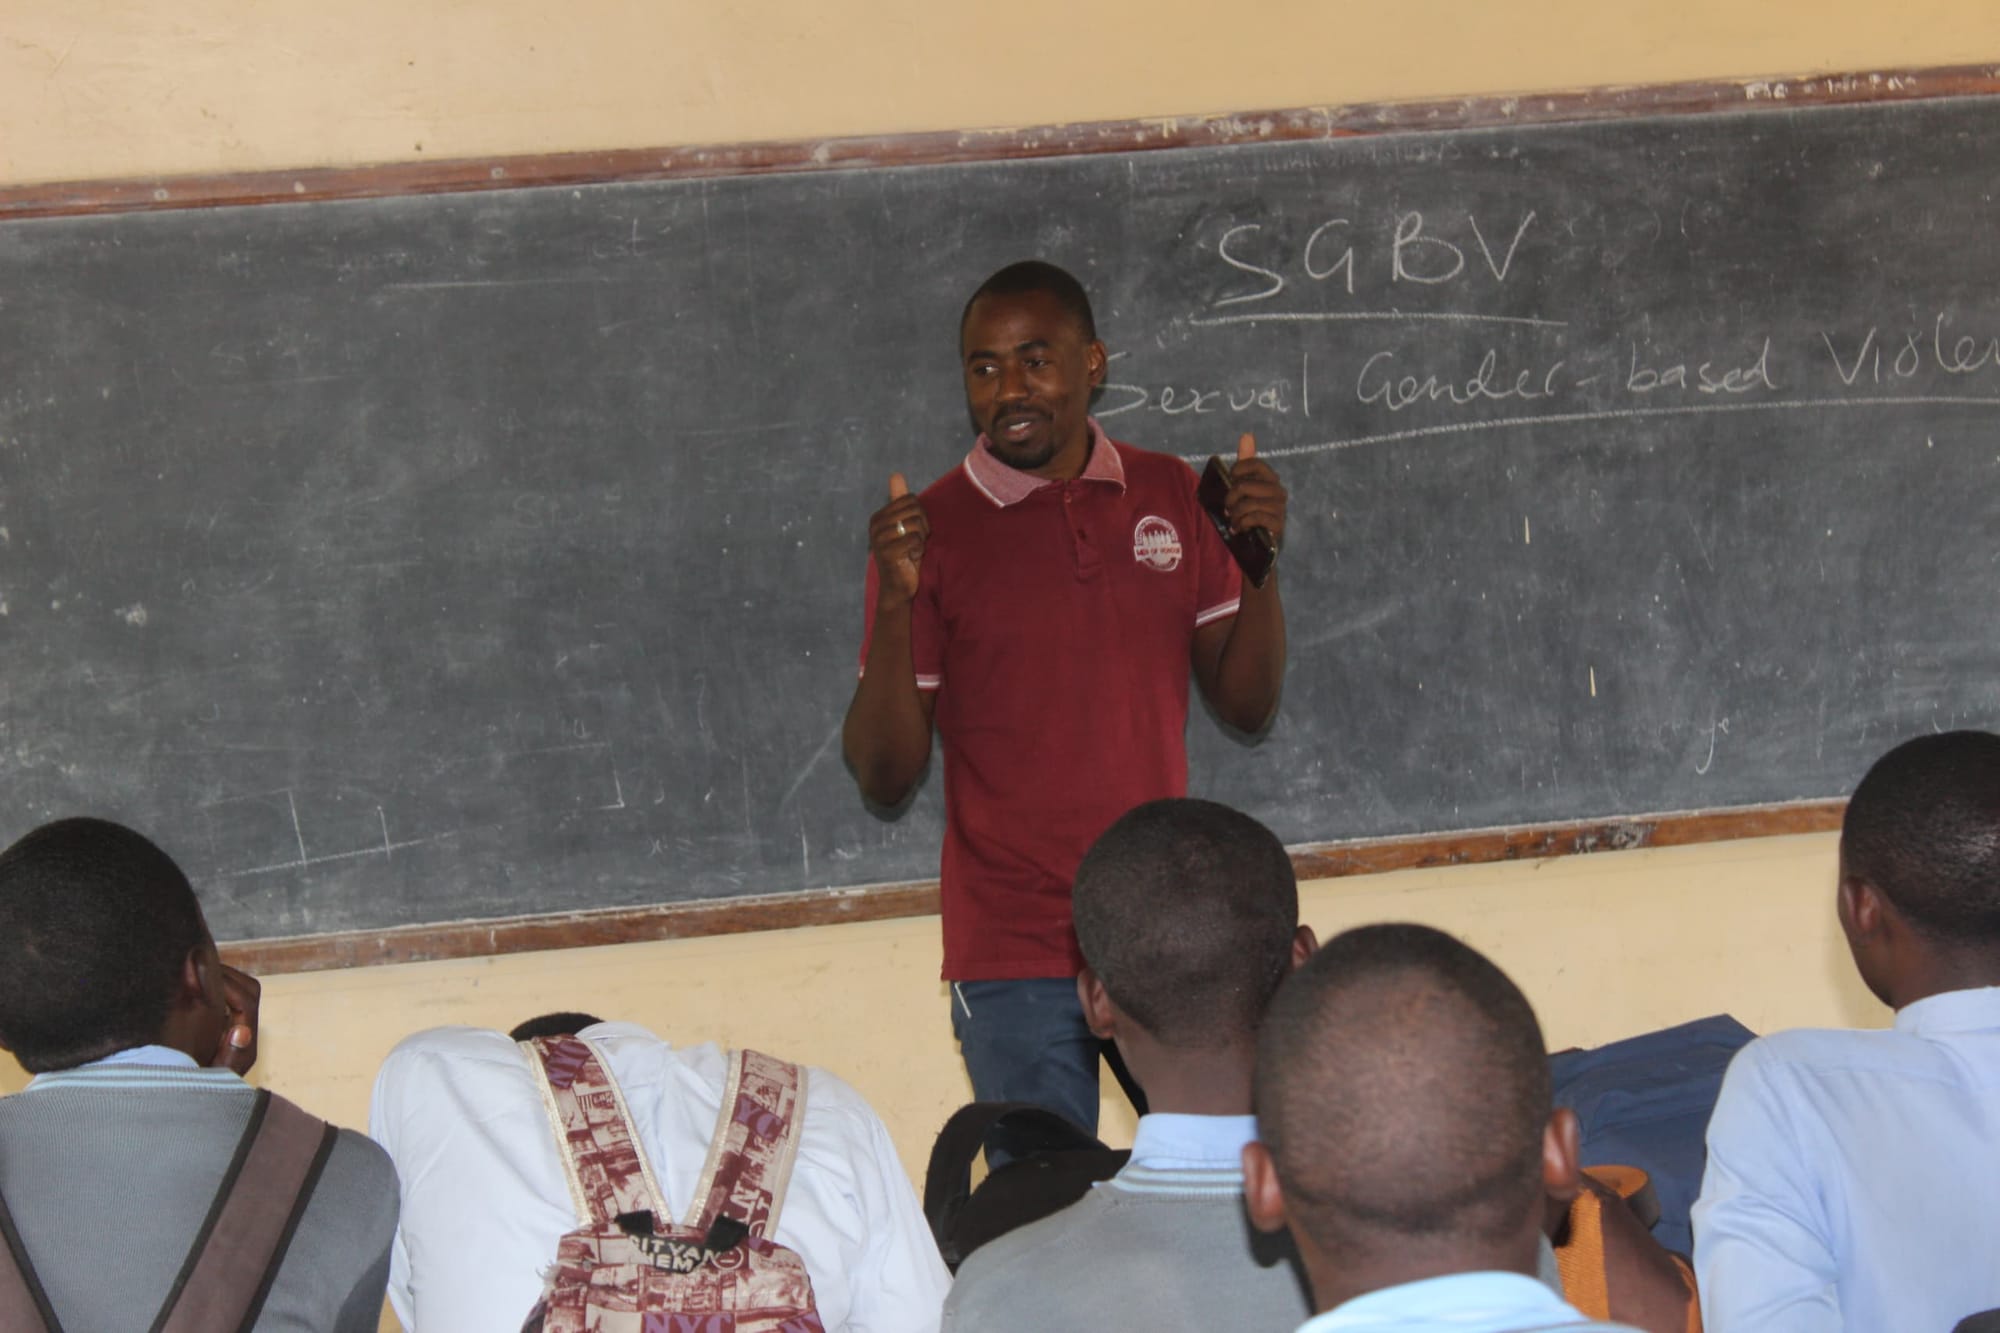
x=132, y=87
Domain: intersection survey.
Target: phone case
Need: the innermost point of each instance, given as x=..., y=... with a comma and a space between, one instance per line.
x=1254, y=551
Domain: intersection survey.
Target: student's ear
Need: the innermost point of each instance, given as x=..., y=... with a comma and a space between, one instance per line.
x=1861, y=909
x=1099, y=1014
x=1263, y=1197
x=1875, y=933
x=193, y=986
x=1096, y=361
x=1562, y=1158
x=1304, y=945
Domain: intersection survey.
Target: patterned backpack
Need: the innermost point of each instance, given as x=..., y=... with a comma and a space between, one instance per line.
x=627, y=1268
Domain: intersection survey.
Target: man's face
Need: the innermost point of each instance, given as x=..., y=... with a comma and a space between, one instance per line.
x=1029, y=372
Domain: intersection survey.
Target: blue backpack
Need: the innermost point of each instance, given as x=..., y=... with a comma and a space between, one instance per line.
x=1645, y=1102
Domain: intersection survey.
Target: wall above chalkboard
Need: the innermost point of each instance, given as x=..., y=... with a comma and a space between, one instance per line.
x=424, y=558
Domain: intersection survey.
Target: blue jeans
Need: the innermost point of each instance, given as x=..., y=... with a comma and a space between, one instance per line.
x=1025, y=1041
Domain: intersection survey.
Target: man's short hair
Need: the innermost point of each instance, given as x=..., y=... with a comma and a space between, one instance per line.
x=1035, y=275
x=1186, y=911
x=564, y=1024
x=95, y=923
x=1402, y=1090
x=1924, y=828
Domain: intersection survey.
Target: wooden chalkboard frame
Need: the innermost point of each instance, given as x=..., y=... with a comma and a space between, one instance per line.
x=884, y=902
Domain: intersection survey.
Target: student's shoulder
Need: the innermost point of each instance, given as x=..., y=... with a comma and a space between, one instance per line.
x=1809, y=1049
x=452, y=1043
x=1796, y=1076
x=1041, y=1252
x=832, y=1101
x=366, y=1164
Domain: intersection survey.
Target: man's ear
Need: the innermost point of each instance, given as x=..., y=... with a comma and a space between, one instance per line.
x=1263, y=1197
x=1304, y=945
x=1099, y=1014
x=1096, y=360
x=1562, y=1153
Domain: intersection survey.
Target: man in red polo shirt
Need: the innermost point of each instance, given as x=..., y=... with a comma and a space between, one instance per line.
x=1043, y=605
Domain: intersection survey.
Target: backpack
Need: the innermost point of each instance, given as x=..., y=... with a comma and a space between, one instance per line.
x=627, y=1268
x=1645, y=1102
x=1059, y=1162
x=242, y=1239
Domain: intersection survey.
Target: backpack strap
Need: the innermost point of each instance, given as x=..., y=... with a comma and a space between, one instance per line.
x=948, y=1174
x=235, y=1256
x=756, y=1140
x=602, y=1159
x=23, y=1303
x=227, y=1275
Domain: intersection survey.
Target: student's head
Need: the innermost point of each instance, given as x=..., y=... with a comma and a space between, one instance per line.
x=1187, y=913
x=102, y=948
x=1920, y=867
x=1403, y=1114
x=1031, y=359
x=566, y=1024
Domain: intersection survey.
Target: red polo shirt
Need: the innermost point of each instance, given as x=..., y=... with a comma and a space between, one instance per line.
x=1056, y=622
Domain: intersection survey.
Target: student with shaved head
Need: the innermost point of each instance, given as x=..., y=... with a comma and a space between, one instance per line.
x=1406, y=1136
x=1853, y=1178
x=1188, y=916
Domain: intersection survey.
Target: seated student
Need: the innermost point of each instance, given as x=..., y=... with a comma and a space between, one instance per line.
x=1188, y=917
x=486, y=1198
x=1406, y=1135
x=1853, y=1176
x=112, y=994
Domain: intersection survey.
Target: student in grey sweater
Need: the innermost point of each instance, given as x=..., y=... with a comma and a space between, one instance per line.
x=112, y=993
x=1188, y=916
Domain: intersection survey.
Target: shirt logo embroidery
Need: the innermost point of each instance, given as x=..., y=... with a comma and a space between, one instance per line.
x=1156, y=545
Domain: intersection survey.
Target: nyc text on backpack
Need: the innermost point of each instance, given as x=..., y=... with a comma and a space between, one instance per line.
x=626, y=1268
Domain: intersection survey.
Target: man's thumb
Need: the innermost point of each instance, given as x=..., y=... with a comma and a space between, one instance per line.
x=1246, y=446
x=898, y=488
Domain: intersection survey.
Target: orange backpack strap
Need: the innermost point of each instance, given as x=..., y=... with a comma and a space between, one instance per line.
x=602, y=1159
x=756, y=1139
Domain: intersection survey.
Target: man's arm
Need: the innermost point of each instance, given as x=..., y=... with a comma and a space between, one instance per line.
x=1239, y=661
x=1762, y=1257
x=887, y=735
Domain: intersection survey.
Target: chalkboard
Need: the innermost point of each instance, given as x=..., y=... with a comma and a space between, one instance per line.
x=438, y=558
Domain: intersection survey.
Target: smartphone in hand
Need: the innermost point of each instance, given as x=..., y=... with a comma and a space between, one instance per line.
x=1253, y=549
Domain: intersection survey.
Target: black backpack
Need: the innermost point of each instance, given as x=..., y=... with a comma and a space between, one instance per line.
x=1057, y=1162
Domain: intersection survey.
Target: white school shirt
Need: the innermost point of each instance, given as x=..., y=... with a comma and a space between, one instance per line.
x=485, y=1199
x=1852, y=1177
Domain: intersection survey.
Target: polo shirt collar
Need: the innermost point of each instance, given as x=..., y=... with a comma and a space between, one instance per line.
x=1006, y=486
x=1952, y=1011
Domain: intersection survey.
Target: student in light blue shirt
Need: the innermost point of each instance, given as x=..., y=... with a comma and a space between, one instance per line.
x=1407, y=1137
x=1853, y=1178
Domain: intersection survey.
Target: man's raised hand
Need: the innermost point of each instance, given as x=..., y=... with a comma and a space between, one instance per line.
x=896, y=535
x=1256, y=497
